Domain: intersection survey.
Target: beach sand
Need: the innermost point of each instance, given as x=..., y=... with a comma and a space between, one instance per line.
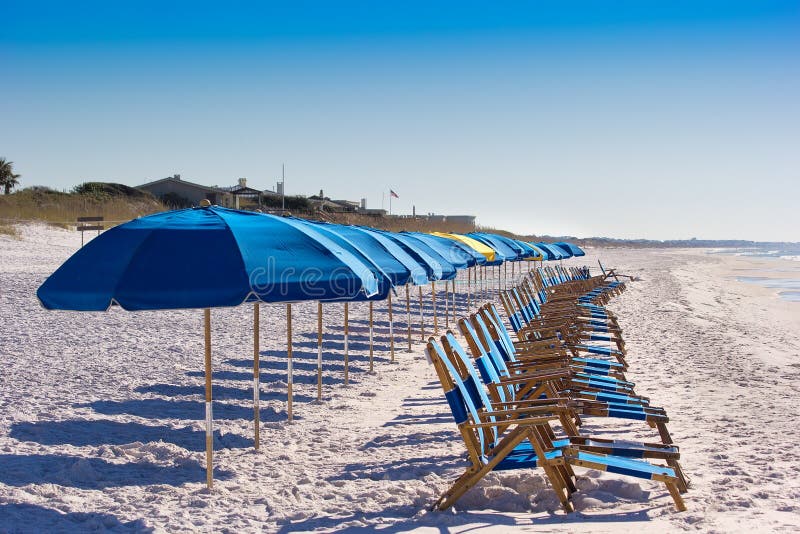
x=101, y=414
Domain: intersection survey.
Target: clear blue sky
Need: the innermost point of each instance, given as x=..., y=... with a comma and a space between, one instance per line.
x=629, y=119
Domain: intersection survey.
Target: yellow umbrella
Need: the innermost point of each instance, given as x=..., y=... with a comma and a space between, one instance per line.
x=486, y=250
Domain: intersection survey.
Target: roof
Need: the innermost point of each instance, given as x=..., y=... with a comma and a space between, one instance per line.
x=242, y=191
x=183, y=182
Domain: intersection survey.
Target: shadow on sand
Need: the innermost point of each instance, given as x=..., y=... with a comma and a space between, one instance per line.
x=103, y=432
x=179, y=409
x=23, y=517
x=96, y=473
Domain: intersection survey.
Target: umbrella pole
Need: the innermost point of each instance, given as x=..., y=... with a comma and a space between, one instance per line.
x=256, y=386
x=289, y=370
x=481, y=271
x=408, y=315
x=506, y=276
x=478, y=284
x=346, y=344
x=391, y=327
x=209, y=411
x=469, y=289
x=446, y=305
x=454, y=302
x=483, y=288
x=371, y=346
x=319, y=351
x=433, y=301
x=421, y=316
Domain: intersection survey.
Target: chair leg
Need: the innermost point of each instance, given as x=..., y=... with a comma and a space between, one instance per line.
x=683, y=484
x=559, y=485
x=676, y=496
x=666, y=439
x=566, y=476
x=465, y=482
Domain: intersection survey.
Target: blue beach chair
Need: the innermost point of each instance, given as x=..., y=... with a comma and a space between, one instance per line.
x=503, y=439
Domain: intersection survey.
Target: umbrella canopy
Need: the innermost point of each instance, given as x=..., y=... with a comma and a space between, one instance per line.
x=417, y=268
x=502, y=251
x=574, y=250
x=385, y=267
x=530, y=252
x=484, y=250
x=555, y=252
x=545, y=254
x=203, y=258
x=523, y=251
x=451, y=250
x=437, y=267
x=474, y=257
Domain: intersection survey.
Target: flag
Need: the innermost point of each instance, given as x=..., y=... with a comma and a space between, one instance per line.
x=393, y=194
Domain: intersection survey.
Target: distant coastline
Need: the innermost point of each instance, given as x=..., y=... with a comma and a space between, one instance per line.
x=118, y=203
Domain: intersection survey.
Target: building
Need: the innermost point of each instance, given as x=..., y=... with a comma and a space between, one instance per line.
x=322, y=203
x=176, y=192
x=460, y=219
x=243, y=195
x=468, y=220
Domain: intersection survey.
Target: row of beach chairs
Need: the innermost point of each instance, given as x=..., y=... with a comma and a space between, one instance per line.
x=519, y=395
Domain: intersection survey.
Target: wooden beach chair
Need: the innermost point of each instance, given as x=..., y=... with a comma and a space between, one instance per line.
x=522, y=438
x=512, y=389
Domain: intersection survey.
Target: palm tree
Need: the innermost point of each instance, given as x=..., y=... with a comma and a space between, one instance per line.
x=8, y=180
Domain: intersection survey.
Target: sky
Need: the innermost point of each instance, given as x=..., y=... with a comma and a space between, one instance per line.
x=631, y=119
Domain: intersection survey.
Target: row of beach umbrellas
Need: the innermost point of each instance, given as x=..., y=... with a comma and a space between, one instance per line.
x=211, y=257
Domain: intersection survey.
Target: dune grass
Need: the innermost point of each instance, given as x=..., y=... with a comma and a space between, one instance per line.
x=62, y=209
x=8, y=229
x=397, y=225
x=118, y=203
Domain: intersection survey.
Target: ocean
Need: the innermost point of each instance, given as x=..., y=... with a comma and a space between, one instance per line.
x=788, y=283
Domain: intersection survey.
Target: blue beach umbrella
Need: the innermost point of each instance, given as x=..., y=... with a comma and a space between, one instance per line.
x=574, y=250
x=456, y=252
x=460, y=255
x=502, y=251
x=522, y=251
x=526, y=251
x=530, y=253
x=418, y=275
x=555, y=252
x=384, y=267
x=387, y=270
x=545, y=254
x=416, y=271
x=204, y=258
x=423, y=267
x=393, y=263
x=561, y=253
x=453, y=256
x=438, y=267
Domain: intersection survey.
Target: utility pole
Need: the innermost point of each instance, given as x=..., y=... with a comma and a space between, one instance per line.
x=283, y=186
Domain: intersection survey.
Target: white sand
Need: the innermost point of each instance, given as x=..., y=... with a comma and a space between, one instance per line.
x=100, y=415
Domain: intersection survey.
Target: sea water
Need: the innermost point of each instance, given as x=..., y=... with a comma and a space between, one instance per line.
x=788, y=285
